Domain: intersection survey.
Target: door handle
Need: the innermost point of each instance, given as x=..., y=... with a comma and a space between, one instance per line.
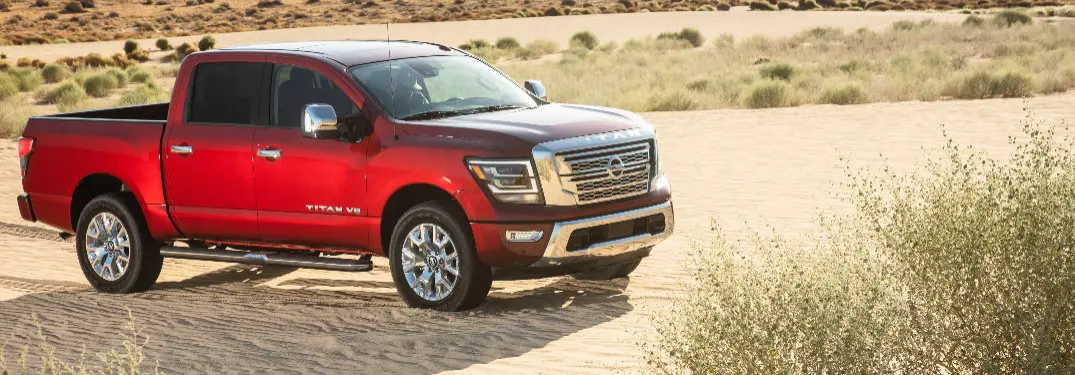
x=269, y=154
x=182, y=150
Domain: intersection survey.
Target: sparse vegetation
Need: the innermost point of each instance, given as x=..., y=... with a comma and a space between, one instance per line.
x=130, y=46
x=53, y=73
x=144, y=94
x=100, y=84
x=916, y=61
x=66, y=94
x=163, y=45
x=692, y=36
x=967, y=254
x=38, y=351
x=207, y=42
x=507, y=43
x=585, y=39
x=183, y=50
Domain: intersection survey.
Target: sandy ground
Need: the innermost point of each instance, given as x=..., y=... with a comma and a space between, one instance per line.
x=615, y=27
x=736, y=165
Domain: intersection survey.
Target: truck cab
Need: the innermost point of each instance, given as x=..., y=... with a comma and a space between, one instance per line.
x=315, y=153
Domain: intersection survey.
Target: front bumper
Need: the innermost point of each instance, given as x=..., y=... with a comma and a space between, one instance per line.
x=25, y=208
x=562, y=253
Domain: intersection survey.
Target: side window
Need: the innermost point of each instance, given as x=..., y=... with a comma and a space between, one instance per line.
x=226, y=93
x=293, y=88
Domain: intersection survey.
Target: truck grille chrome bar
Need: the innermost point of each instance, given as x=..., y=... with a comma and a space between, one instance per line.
x=597, y=168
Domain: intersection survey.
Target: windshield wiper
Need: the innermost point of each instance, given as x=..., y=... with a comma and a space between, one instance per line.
x=428, y=115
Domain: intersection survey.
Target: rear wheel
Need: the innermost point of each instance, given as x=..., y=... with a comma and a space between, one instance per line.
x=115, y=250
x=434, y=263
x=610, y=273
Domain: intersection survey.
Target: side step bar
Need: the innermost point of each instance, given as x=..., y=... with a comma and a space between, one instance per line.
x=276, y=259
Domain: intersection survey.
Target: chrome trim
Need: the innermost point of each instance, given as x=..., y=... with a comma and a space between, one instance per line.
x=182, y=150
x=270, y=154
x=550, y=167
x=540, y=235
x=556, y=252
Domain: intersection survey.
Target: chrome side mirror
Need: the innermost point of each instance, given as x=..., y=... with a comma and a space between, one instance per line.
x=535, y=87
x=319, y=122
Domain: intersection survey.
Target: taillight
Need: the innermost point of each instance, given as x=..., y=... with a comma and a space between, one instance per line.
x=26, y=147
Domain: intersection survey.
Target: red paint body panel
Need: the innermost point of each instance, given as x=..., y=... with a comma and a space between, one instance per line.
x=223, y=192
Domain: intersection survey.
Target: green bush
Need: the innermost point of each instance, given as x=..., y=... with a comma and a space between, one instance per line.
x=766, y=94
x=507, y=43
x=100, y=84
x=964, y=266
x=478, y=43
x=689, y=35
x=536, y=49
x=121, y=76
x=780, y=71
x=130, y=46
x=147, y=93
x=139, y=75
x=983, y=85
x=761, y=5
x=67, y=94
x=53, y=73
x=843, y=95
x=207, y=42
x=28, y=79
x=1009, y=18
x=164, y=45
x=183, y=50
x=675, y=101
x=585, y=39
x=9, y=86
x=73, y=7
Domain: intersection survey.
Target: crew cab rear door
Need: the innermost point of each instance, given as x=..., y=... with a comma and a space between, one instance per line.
x=209, y=150
x=309, y=191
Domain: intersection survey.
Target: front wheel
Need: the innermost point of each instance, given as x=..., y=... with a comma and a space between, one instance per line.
x=114, y=247
x=434, y=263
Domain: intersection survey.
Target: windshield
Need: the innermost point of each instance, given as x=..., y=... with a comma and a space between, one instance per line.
x=439, y=86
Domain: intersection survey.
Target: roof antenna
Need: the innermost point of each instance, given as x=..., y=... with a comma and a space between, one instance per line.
x=391, y=78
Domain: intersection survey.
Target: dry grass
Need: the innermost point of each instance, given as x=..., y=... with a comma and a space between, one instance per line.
x=116, y=20
x=910, y=61
x=38, y=356
x=964, y=266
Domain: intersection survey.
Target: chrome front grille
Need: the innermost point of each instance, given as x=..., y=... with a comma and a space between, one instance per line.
x=606, y=173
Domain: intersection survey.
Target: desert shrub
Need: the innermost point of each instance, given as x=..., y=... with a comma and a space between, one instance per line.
x=808, y=5
x=569, y=3
x=536, y=49
x=73, y=6
x=140, y=75
x=13, y=116
x=53, y=73
x=968, y=254
x=766, y=94
x=553, y=12
x=68, y=93
x=101, y=84
x=88, y=4
x=761, y=5
x=9, y=86
x=139, y=55
x=120, y=60
x=843, y=95
x=121, y=76
x=27, y=79
x=95, y=60
x=983, y=85
x=269, y=3
x=41, y=3
x=184, y=49
x=507, y=43
x=780, y=71
x=207, y=42
x=724, y=7
x=163, y=45
x=974, y=21
x=147, y=93
x=674, y=101
x=130, y=46
x=128, y=358
x=478, y=43
x=689, y=35
x=700, y=84
x=1009, y=18
x=585, y=39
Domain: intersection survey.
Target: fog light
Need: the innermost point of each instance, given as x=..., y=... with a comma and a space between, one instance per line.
x=523, y=235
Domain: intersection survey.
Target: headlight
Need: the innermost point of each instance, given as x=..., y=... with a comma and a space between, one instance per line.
x=510, y=181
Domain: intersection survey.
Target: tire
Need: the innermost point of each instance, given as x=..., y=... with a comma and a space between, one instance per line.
x=472, y=279
x=144, y=260
x=609, y=273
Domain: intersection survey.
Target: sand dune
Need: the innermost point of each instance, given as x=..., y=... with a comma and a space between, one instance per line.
x=609, y=27
x=739, y=165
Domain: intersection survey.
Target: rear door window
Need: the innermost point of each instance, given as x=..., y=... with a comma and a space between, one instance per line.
x=226, y=93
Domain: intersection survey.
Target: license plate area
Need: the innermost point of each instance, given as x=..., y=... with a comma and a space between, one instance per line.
x=584, y=238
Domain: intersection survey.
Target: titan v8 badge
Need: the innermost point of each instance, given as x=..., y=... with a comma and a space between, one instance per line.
x=333, y=210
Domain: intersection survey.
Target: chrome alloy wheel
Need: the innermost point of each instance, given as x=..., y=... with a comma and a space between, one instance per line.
x=108, y=247
x=430, y=262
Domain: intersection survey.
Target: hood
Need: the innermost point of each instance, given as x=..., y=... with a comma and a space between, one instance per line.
x=528, y=127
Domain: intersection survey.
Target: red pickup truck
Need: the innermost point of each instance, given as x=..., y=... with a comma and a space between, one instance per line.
x=323, y=154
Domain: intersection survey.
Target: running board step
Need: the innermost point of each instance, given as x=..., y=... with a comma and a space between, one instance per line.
x=275, y=259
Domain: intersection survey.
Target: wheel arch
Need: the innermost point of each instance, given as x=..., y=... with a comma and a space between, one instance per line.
x=408, y=196
x=93, y=186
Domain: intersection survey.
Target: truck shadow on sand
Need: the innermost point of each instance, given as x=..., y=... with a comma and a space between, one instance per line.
x=230, y=321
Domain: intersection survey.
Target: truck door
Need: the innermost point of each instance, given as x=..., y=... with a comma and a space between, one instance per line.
x=209, y=154
x=309, y=191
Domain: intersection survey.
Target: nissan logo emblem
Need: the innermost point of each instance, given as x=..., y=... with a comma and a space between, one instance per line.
x=615, y=167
